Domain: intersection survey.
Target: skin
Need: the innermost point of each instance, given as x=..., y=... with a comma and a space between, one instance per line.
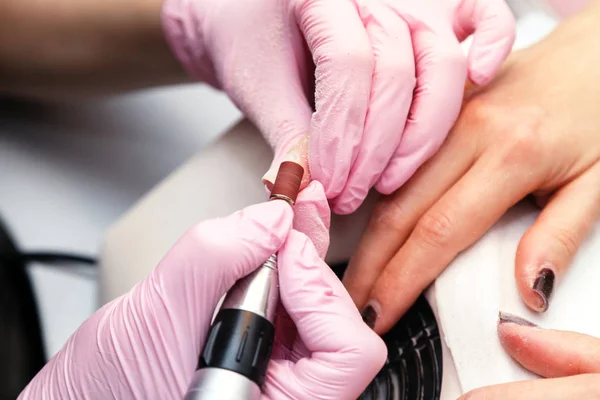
x=570, y=359
x=533, y=130
x=65, y=48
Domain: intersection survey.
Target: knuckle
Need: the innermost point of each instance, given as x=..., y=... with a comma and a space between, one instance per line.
x=434, y=229
x=522, y=147
x=567, y=240
x=390, y=215
x=518, y=130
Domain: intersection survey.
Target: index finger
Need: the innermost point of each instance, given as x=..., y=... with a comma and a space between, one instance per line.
x=494, y=184
x=344, y=62
x=396, y=215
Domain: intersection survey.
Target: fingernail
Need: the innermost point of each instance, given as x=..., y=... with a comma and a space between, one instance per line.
x=369, y=316
x=506, y=318
x=543, y=286
x=296, y=151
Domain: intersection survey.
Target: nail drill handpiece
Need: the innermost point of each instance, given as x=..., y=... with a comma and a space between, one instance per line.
x=236, y=354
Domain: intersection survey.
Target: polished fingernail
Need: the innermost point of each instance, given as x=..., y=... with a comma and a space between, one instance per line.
x=369, y=316
x=543, y=286
x=506, y=318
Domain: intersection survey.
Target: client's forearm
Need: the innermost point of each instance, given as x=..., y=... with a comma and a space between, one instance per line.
x=58, y=47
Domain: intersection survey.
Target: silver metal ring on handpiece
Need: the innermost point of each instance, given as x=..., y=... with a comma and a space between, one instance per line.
x=282, y=197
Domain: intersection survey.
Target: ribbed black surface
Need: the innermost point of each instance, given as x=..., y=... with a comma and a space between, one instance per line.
x=413, y=370
x=239, y=341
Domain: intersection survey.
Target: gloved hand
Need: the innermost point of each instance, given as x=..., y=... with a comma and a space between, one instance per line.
x=145, y=344
x=388, y=82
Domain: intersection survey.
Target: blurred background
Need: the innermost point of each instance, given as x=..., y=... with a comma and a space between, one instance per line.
x=68, y=171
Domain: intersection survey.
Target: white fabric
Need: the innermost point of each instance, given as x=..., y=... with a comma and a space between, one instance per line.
x=481, y=281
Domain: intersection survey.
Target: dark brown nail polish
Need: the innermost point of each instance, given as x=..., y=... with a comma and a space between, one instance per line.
x=369, y=316
x=506, y=318
x=543, y=286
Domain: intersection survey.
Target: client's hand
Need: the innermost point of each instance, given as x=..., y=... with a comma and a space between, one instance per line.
x=571, y=359
x=145, y=344
x=534, y=130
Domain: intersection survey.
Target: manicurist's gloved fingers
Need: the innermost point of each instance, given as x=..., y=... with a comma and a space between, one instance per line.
x=462, y=215
x=343, y=354
x=343, y=57
x=547, y=248
x=391, y=95
x=493, y=27
x=145, y=344
x=211, y=257
x=396, y=215
x=441, y=73
x=312, y=216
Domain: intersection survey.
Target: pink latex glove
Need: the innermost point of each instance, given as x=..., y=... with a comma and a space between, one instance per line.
x=388, y=82
x=145, y=344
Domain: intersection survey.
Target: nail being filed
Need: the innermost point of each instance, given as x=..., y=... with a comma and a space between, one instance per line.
x=287, y=183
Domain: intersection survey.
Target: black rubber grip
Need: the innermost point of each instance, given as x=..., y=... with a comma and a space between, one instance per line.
x=239, y=341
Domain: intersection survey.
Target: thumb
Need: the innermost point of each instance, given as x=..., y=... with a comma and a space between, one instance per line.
x=547, y=248
x=493, y=26
x=344, y=355
x=548, y=353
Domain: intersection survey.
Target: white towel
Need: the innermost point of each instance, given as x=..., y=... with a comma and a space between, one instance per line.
x=480, y=282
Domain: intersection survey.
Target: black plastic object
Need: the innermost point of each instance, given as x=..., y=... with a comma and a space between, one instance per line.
x=413, y=369
x=21, y=346
x=239, y=341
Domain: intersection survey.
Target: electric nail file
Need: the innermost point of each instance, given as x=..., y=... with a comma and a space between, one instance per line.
x=235, y=358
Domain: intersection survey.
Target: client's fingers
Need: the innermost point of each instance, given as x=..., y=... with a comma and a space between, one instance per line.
x=460, y=217
x=549, y=245
x=396, y=215
x=547, y=352
x=575, y=387
x=345, y=355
